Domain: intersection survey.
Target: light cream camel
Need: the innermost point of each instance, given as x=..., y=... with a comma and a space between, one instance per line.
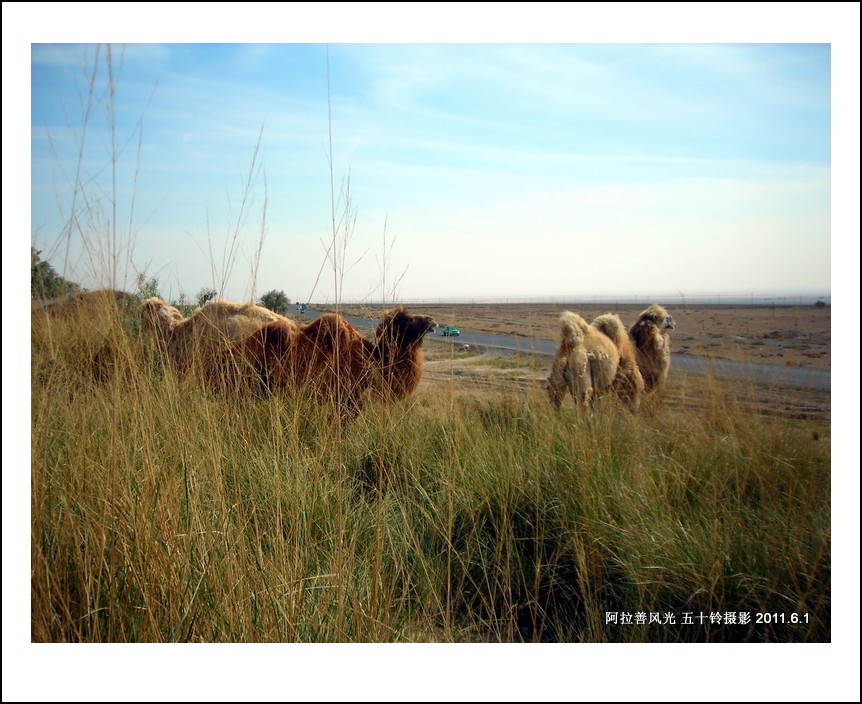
x=652, y=344
x=586, y=362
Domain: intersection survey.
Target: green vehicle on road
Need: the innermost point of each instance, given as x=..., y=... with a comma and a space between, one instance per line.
x=450, y=331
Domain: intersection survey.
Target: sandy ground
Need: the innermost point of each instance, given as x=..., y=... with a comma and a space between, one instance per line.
x=790, y=335
x=793, y=335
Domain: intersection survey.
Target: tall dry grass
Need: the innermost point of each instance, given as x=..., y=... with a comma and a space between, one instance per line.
x=160, y=512
x=163, y=513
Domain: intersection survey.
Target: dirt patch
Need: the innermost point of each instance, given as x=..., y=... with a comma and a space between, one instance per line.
x=787, y=335
x=501, y=371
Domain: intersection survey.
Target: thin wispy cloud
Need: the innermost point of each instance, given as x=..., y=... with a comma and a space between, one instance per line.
x=479, y=158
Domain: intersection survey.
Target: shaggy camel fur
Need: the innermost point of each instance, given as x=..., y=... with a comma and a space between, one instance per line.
x=629, y=382
x=653, y=345
x=586, y=362
x=160, y=319
x=91, y=326
x=86, y=301
x=199, y=341
x=330, y=358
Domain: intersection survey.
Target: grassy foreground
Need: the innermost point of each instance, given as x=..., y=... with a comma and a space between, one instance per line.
x=162, y=513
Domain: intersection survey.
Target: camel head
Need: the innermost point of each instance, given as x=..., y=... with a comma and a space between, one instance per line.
x=658, y=316
x=401, y=329
x=158, y=315
x=150, y=310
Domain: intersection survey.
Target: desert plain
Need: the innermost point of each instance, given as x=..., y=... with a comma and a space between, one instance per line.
x=783, y=335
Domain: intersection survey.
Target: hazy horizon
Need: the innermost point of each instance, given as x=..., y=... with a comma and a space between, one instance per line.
x=727, y=298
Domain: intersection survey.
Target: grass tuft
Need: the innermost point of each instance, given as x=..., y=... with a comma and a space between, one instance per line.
x=162, y=513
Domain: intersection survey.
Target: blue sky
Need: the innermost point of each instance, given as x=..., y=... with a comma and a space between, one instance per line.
x=495, y=170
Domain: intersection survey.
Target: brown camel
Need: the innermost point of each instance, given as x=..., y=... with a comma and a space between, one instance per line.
x=331, y=358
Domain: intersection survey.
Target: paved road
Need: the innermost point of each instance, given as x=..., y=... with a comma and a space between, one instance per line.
x=793, y=377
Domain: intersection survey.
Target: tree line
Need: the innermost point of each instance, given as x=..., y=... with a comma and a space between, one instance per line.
x=46, y=284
